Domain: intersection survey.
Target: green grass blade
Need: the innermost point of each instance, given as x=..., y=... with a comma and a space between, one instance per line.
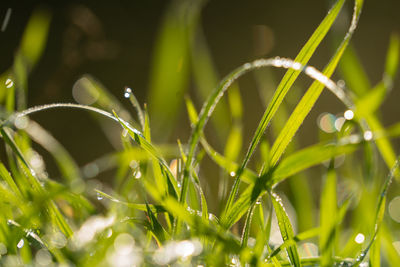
x=310, y=97
x=156, y=228
x=379, y=212
x=308, y=157
x=328, y=211
x=393, y=57
x=284, y=86
x=286, y=229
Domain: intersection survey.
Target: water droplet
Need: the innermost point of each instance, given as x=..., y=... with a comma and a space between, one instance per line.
x=99, y=196
x=341, y=83
x=360, y=238
x=21, y=243
x=258, y=202
x=232, y=174
x=368, y=135
x=179, y=184
x=135, y=166
x=21, y=122
x=9, y=83
x=109, y=233
x=128, y=92
x=349, y=114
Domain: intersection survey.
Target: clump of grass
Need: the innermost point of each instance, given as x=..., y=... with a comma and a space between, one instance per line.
x=157, y=213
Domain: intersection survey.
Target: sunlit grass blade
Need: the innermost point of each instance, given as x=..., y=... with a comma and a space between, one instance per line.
x=286, y=229
x=142, y=142
x=156, y=228
x=328, y=211
x=310, y=97
x=284, y=86
x=170, y=71
x=379, y=212
x=308, y=157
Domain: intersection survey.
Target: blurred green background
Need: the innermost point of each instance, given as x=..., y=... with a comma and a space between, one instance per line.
x=119, y=43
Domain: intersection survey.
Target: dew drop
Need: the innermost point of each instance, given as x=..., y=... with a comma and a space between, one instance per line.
x=349, y=114
x=135, y=166
x=179, y=184
x=232, y=174
x=128, y=92
x=21, y=243
x=360, y=238
x=368, y=135
x=341, y=83
x=99, y=196
x=9, y=83
x=124, y=133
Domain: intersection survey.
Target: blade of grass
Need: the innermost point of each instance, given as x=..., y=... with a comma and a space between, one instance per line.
x=286, y=229
x=284, y=86
x=310, y=97
x=328, y=211
x=379, y=212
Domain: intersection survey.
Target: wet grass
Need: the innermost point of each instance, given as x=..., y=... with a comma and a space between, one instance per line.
x=158, y=209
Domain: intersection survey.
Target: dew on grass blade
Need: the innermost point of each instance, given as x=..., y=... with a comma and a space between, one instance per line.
x=9, y=83
x=135, y=166
x=368, y=135
x=128, y=92
x=21, y=243
x=21, y=122
x=232, y=174
x=341, y=83
x=348, y=114
x=360, y=238
x=99, y=196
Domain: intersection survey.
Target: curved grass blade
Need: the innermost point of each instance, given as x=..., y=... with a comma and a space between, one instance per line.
x=306, y=158
x=379, y=212
x=284, y=86
x=289, y=78
x=310, y=97
x=286, y=229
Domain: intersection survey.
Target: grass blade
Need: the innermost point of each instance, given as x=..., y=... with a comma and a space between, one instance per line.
x=286, y=229
x=328, y=211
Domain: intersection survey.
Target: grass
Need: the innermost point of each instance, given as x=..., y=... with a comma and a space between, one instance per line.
x=157, y=213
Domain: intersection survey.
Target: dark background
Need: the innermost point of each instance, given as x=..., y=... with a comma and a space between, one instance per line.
x=116, y=43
